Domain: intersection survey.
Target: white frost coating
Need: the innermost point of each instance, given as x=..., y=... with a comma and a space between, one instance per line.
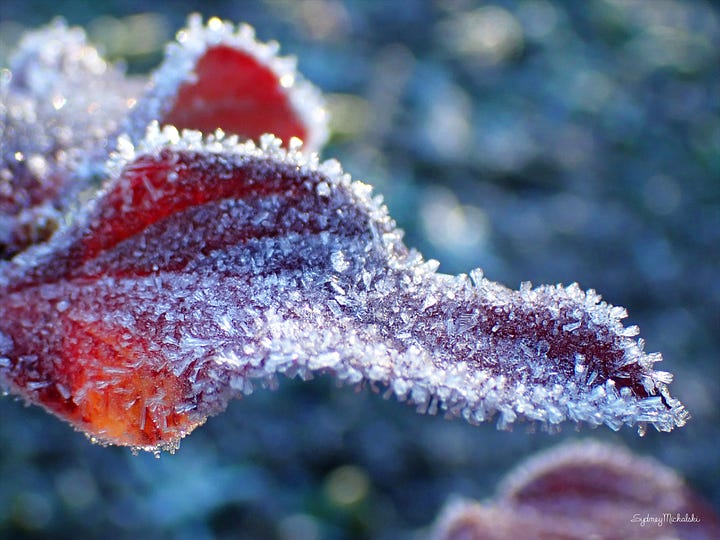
x=444, y=342
x=6, y=344
x=321, y=282
x=192, y=42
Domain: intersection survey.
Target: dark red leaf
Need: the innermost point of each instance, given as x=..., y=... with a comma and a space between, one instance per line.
x=62, y=107
x=207, y=265
x=584, y=490
x=234, y=92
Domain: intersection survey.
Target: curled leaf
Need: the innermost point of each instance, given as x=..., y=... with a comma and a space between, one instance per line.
x=207, y=266
x=584, y=490
x=59, y=103
x=220, y=76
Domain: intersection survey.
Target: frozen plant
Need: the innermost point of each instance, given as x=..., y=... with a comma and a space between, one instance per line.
x=214, y=258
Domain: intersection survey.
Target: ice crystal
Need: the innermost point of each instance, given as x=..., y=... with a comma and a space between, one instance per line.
x=208, y=265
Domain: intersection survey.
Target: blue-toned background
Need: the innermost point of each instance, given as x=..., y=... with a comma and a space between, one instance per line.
x=541, y=140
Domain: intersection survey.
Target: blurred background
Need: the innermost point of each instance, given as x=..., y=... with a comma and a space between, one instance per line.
x=543, y=140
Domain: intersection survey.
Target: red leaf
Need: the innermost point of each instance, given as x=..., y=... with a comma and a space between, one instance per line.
x=206, y=265
x=62, y=106
x=163, y=212
x=233, y=91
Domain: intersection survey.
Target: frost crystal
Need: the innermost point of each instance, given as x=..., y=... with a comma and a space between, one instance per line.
x=207, y=266
x=219, y=76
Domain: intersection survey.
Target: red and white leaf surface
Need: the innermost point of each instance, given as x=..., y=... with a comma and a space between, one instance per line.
x=219, y=76
x=62, y=108
x=206, y=267
x=59, y=103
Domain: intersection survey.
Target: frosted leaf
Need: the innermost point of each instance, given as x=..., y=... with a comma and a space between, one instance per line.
x=58, y=104
x=584, y=490
x=62, y=107
x=207, y=267
x=220, y=76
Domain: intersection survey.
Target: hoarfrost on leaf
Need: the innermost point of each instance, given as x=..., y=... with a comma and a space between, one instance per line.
x=62, y=107
x=192, y=299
